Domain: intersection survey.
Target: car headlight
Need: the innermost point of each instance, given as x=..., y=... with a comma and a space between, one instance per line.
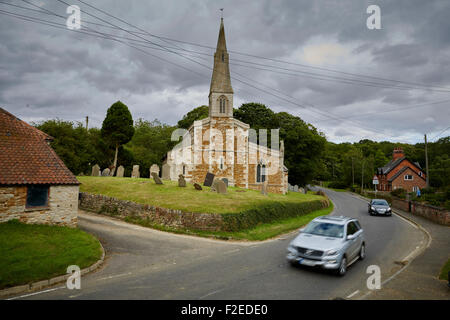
x=389, y=209
x=331, y=252
x=373, y=208
x=291, y=248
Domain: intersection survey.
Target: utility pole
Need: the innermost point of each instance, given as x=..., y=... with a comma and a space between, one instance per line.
x=353, y=174
x=87, y=122
x=362, y=176
x=426, y=162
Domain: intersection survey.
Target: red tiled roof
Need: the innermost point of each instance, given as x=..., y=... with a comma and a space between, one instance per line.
x=26, y=156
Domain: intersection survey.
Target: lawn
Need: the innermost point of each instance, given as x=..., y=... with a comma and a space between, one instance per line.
x=187, y=199
x=30, y=253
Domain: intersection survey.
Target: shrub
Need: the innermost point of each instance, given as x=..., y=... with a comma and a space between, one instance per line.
x=400, y=193
x=270, y=212
x=337, y=185
x=427, y=190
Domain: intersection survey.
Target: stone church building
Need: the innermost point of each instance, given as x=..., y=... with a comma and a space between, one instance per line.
x=223, y=145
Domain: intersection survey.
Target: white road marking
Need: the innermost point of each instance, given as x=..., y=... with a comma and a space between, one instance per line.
x=115, y=276
x=353, y=294
x=210, y=294
x=35, y=293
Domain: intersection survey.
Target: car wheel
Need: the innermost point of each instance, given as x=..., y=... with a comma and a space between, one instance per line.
x=362, y=252
x=342, y=267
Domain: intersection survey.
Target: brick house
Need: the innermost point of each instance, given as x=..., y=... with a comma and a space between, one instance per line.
x=401, y=172
x=35, y=185
x=223, y=145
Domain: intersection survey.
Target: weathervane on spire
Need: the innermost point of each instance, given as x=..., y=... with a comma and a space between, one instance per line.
x=221, y=13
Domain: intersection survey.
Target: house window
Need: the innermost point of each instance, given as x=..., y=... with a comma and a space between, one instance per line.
x=420, y=173
x=408, y=177
x=37, y=196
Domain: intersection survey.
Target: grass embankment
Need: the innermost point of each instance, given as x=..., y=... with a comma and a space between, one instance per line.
x=247, y=214
x=445, y=270
x=259, y=233
x=170, y=196
x=30, y=253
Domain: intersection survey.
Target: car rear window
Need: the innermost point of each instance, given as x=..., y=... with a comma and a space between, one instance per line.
x=325, y=229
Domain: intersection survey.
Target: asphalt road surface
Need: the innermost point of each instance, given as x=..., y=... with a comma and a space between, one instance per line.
x=142, y=263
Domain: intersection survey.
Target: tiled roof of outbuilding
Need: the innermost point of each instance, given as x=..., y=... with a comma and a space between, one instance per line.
x=26, y=156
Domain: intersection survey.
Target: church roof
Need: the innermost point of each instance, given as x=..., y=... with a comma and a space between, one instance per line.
x=221, y=80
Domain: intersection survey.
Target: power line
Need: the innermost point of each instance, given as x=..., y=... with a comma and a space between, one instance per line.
x=440, y=133
x=325, y=114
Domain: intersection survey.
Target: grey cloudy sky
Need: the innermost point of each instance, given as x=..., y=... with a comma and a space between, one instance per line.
x=48, y=73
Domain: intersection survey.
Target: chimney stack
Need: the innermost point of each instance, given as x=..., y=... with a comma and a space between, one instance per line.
x=398, y=153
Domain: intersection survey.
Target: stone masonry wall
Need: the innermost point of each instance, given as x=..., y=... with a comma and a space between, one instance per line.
x=62, y=209
x=438, y=215
x=161, y=216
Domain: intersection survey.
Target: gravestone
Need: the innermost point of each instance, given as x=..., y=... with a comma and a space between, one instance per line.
x=105, y=172
x=208, y=179
x=120, y=171
x=301, y=190
x=111, y=171
x=154, y=169
x=95, y=171
x=226, y=181
x=156, y=178
x=290, y=187
x=264, y=187
x=197, y=186
x=135, y=173
x=214, y=185
x=165, y=174
x=221, y=187
x=296, y=188
x=181, y=181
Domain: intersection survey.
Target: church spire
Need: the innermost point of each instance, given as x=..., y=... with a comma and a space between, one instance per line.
x=220, y=80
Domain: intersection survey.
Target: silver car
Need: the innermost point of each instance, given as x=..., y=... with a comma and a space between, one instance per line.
x=329, y=242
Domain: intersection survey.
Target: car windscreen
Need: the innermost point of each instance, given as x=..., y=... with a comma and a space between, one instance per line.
x=379, y=203
x=325, y=229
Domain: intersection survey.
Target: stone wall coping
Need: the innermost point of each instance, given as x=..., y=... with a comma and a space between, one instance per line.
x=34, y=286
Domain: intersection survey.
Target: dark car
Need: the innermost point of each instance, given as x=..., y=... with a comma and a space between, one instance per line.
x=379, y=207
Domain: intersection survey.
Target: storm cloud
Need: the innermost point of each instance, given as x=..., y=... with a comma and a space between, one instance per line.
x=337, y=79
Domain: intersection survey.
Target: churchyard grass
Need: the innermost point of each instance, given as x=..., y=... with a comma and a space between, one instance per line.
x=30, y=253
x=169, y=195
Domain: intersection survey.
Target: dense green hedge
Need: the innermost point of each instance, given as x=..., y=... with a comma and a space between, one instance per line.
x=269, y=212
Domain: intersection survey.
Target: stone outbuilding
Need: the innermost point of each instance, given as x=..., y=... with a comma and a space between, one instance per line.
x=35, y=185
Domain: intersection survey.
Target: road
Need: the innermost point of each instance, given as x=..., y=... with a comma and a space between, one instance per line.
x=142, y=263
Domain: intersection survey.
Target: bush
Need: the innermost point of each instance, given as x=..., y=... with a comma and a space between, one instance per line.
x=337, y=185
x=427, y=190
x=269, y=212
x=399, y=193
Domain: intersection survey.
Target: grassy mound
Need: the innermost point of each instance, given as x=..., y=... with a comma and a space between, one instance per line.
x=30, y=253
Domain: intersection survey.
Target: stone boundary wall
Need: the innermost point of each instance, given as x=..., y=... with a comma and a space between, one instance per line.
x=166, y=217
x=435, y=214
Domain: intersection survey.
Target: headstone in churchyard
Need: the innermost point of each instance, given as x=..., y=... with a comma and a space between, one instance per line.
x=226, y=181
x=105, y=172
x=208, y=179
x=95, y=171
x=156, y=178
x=221, y=187
x=154, y=168
x=197, y=186
x=120, y=171
x=112, y=169
x=181, y=180
x=165, y=174
x=264, y=187
x=135, y=173
x=214, y=185
x=301, y=190
x=296, y=188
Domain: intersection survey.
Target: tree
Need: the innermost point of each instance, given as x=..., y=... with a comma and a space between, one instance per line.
x=117, y=128
x=198, y=113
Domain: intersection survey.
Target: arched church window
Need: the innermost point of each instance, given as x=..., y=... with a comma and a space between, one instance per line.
x=221, y=163
x=260, y=173
x=222, y=104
